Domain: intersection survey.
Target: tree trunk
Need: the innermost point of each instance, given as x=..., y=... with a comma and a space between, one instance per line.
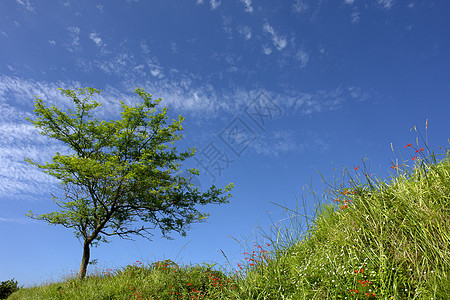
x=84, y=260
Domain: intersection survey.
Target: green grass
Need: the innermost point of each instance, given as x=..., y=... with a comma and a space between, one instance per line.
x=370, y=239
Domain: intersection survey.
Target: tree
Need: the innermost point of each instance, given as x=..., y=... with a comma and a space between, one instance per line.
x=122, y=177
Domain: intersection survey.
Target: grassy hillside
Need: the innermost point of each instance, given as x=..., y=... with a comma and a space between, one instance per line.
x=370, y=240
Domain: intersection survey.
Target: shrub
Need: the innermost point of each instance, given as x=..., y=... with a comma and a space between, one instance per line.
x=7, y=288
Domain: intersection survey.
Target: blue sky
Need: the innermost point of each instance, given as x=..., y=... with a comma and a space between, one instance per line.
x=309, y=85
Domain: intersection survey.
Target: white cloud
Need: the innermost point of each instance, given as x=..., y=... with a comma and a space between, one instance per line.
x=199, y=1
x=274, y=143
x=95, y=38
x=246, y=32
x=279, y=42
x=226, y=21
x=17, y=220
x=124, y=64
x=349, y=1
x=24, y=92
x=154, y=66
x=302, y=57
x=267, y=50
x=26, y=4
x=74, y=33
x=299, y=6
x=100, y=7
x=173, y=47
x=355, y=17
x=386, y=3
x=52, y=42
x=282, y=142
x=321, y=100
x=215, y=4
x=156, y=73
x=144, y=47
x=186, y=94
x=248, y=5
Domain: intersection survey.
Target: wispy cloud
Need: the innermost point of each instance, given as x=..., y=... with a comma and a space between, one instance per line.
x=386, y=3
x=215, y=4
x=282, y=142
x=74, y=44
x=302, y=57
x=226, y=25
x=246, y=32
x=248, y=5
x=279, y=41
x=18, y=178
x=155, y=68
x=266, y=50
x=321, y=101
x=300, y=6
x=95, y=37
x=185, y=94
x=117, y=65
x=349, y=1
x=24, y=91
x=145, y=48
x=355, y=16
x=17, y=220
x=274, y=143
x=26, y=4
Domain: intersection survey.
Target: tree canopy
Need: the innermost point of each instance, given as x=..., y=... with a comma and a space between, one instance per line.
x=122, y=176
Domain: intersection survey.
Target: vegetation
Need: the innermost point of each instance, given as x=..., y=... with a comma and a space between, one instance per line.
x=120, y=172
x=372, y=239
x=8, y=287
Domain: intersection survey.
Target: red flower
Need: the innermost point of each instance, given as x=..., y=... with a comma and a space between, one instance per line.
x=362, y=282
x=409, y=145
x=356, y=169
x=414, y=158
